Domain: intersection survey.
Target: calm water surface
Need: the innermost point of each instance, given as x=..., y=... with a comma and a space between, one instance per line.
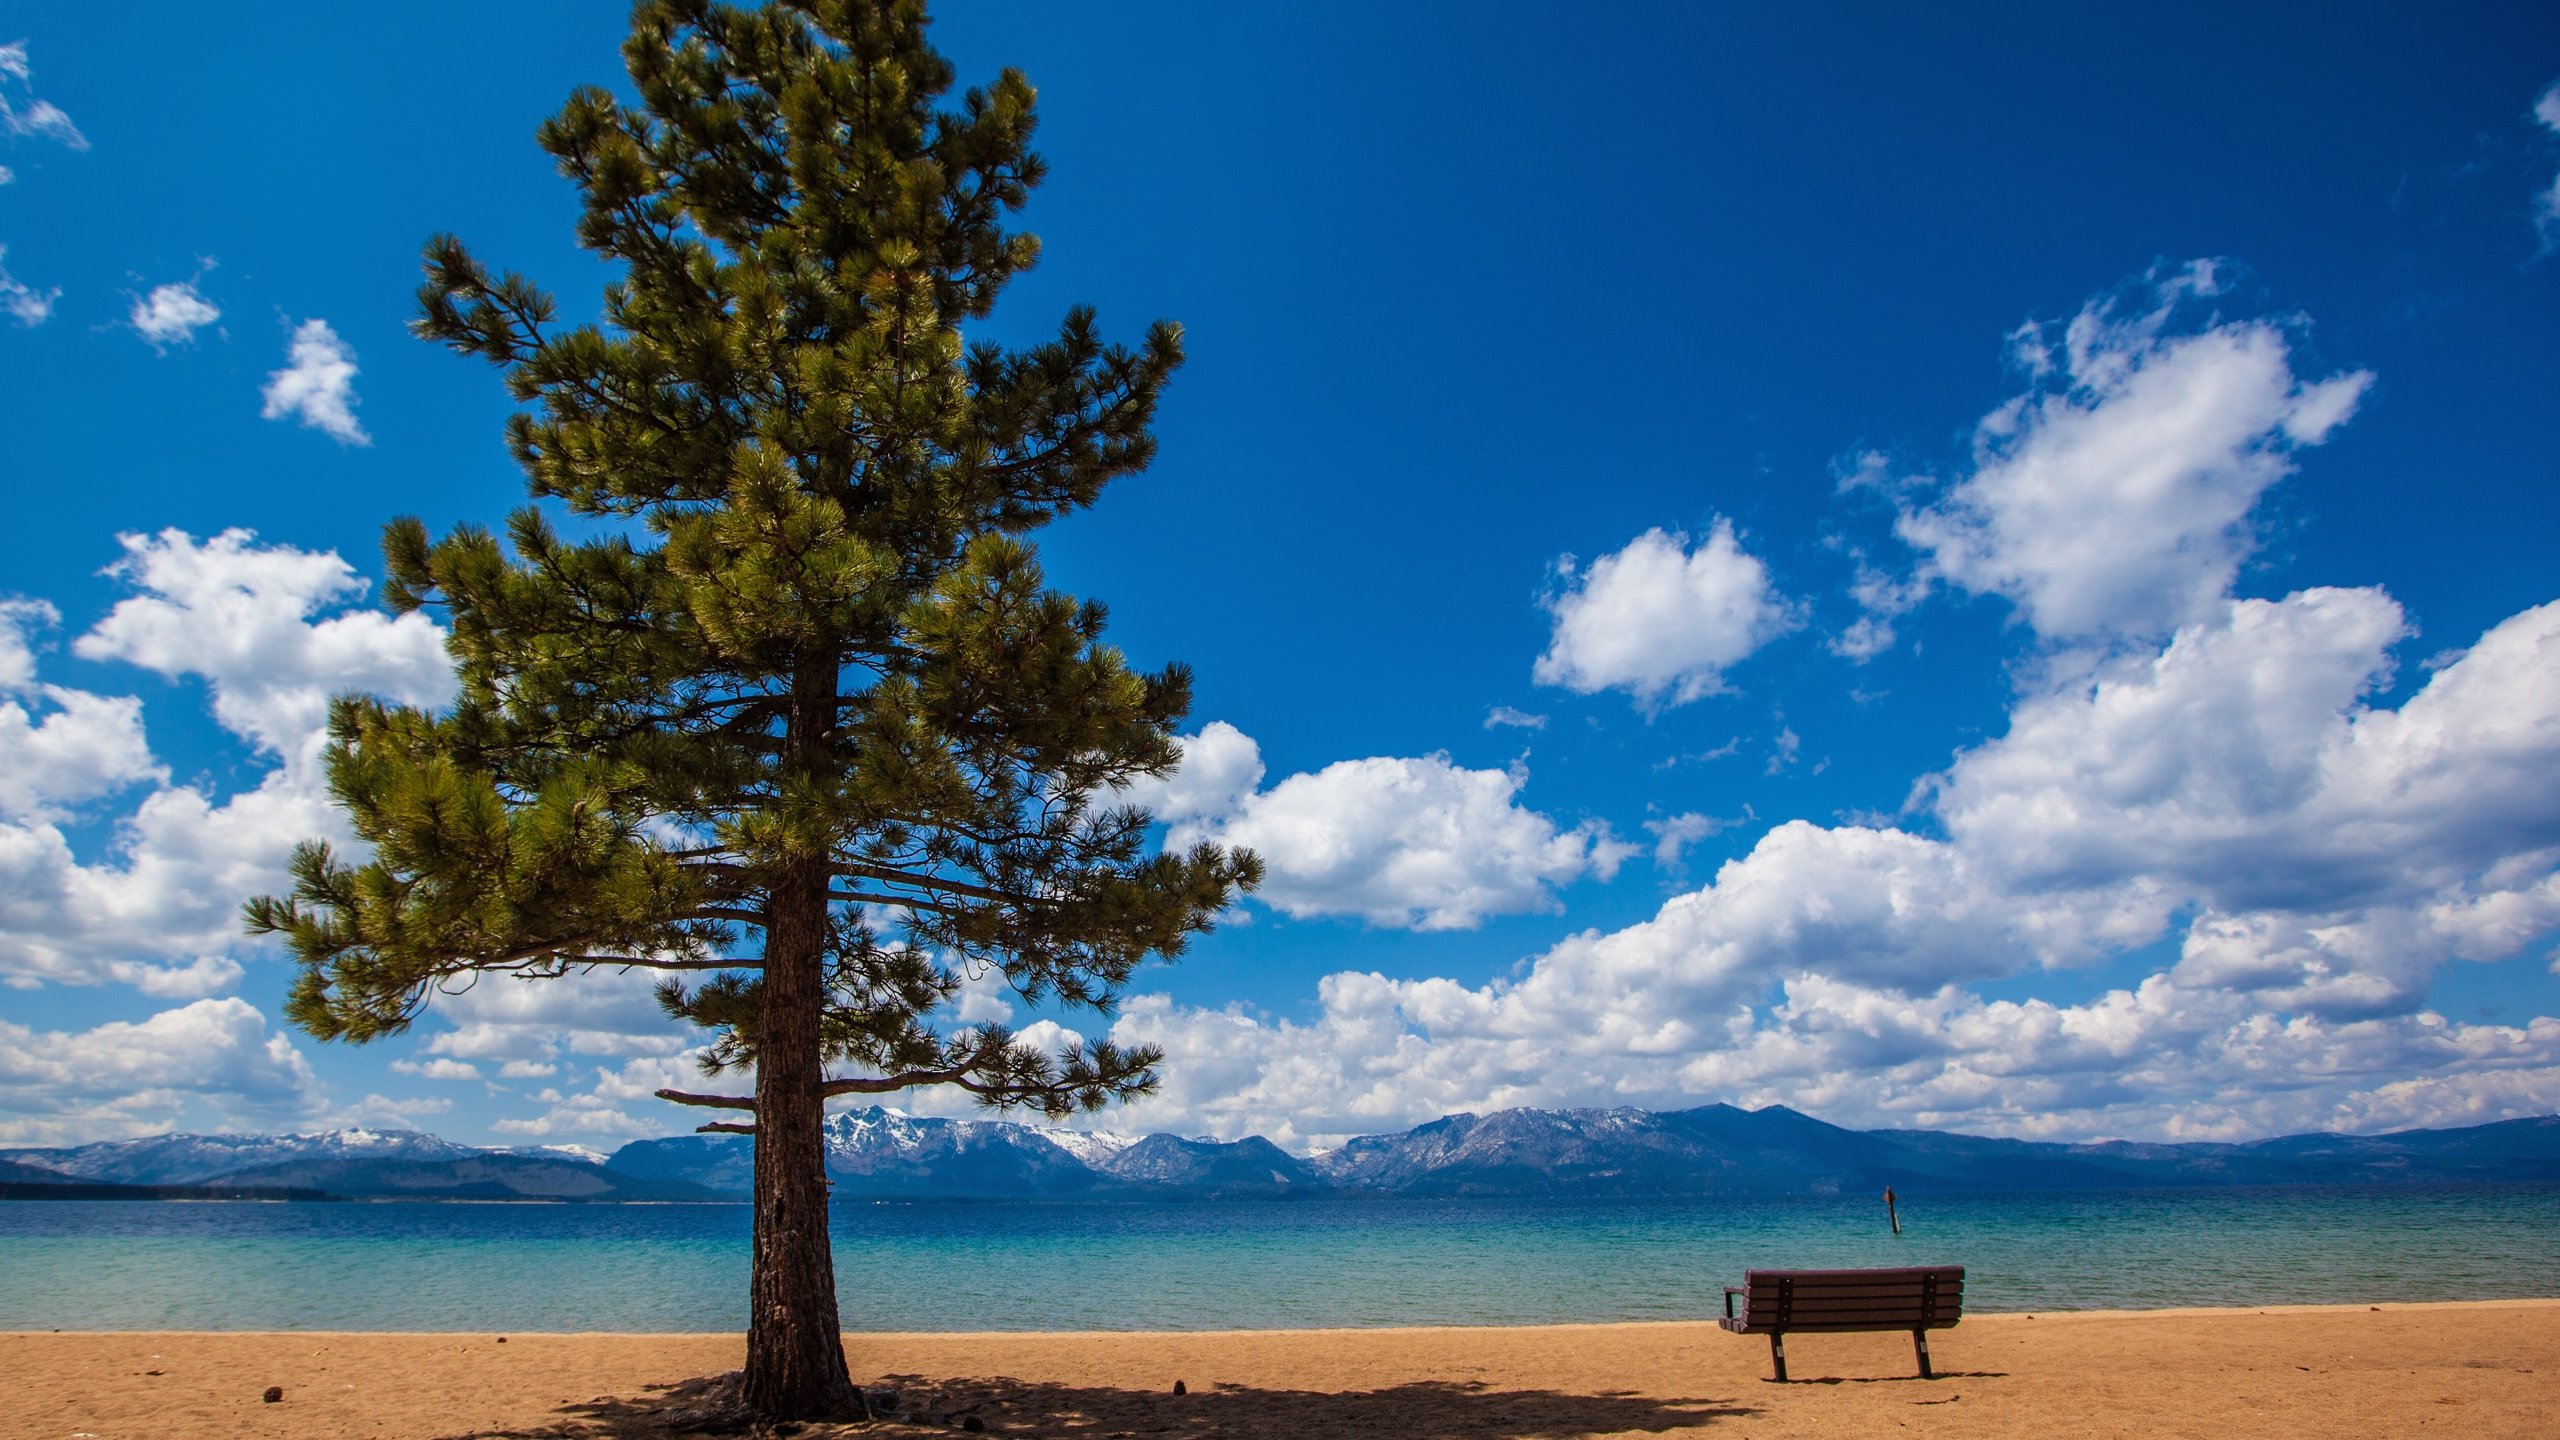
x=415, y=1266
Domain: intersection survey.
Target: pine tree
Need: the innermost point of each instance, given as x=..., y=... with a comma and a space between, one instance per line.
x=794, y=717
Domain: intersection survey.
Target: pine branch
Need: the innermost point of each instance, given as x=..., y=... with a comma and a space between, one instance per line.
x=638, y=962
x=904, y=902
x=934, y=882
x=708, y=1102
x=889, y=1084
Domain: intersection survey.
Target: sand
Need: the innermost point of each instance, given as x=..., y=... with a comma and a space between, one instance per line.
x=2474, y=1370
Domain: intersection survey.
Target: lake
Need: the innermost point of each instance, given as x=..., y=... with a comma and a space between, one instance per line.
x=115, y=1265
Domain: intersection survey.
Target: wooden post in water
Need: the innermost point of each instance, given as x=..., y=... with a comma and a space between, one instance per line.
x=1894, y=1217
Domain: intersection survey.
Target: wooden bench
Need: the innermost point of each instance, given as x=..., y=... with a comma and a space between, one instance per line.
x=1776, y=1302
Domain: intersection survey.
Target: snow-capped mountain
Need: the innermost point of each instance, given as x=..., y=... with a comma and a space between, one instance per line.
x=584, y=1153
x=1093, y=1147
x=358, y=1163
x=879, y=1151
x=194, y=1159
x=1534, y=1151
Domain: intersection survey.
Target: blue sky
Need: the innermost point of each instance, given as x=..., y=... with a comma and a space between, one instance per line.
x=1964, y=569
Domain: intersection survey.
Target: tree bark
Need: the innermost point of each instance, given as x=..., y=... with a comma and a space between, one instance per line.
x=795, y=1345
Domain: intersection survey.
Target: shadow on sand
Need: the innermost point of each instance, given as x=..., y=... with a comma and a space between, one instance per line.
x=1939, y=1378
x=931, y=1406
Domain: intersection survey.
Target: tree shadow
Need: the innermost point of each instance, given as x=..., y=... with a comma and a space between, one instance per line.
x=1002, y=1405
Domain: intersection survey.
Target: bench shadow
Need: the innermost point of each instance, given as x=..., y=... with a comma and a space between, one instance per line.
x=1001, y=1405
x=1888, y=1379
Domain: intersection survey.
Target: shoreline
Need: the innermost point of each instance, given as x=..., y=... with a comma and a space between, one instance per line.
x=852, y=1336
x=856, y=1336
x=2473, y=1368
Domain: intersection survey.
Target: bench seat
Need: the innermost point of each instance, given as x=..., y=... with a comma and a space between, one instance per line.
x=1776, y=1303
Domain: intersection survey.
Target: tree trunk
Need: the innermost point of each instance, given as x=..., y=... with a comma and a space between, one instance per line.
x=795, y=1349
x=795, y=1346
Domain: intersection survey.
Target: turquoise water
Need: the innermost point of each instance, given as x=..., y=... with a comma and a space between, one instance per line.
x=402, y=1266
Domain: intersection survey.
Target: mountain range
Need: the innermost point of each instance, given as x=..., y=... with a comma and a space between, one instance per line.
x=1712, y=1151
x=356, y=1164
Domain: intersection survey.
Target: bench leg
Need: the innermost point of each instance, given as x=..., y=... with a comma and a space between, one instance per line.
x=1778, y=1355
x=1920, y=1342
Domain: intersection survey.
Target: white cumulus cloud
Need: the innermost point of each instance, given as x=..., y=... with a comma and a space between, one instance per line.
x=28, y=306
x=172, y=314
x=2112, y=498
x=2317, y=857
x=388, y=1112
x=532, y=1022
x=29, y=116
x=19, y=620
x=606, y=1111
x=1220, y=768
x=26, y=115
x=2339, y=853
x=1411, y=843
x=158, y=909
x=272, y=632
x=1882, y=597
x=249, y=619
x=211, y=1063
x=1674, y=834
x=1661, y=617
x=86, y=748
x=2156, y=1061
x=317, y=386
x=437, y=1069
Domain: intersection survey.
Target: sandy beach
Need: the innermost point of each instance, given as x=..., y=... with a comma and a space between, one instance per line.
x=2484, y=1369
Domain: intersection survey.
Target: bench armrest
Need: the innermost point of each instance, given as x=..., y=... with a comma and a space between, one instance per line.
x=1729, y=1292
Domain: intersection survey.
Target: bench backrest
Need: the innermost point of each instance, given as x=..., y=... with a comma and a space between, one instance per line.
x=1900, y=1299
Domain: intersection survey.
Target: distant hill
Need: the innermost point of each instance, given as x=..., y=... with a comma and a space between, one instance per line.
x=1251, y=1166
x=192, y=1159
x=1722, y=1150
x=353, y=1164
x=487, y=1175
x=722, y=1164
x=14, y=1173
x=98, y=1190
x=1711, y=1151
